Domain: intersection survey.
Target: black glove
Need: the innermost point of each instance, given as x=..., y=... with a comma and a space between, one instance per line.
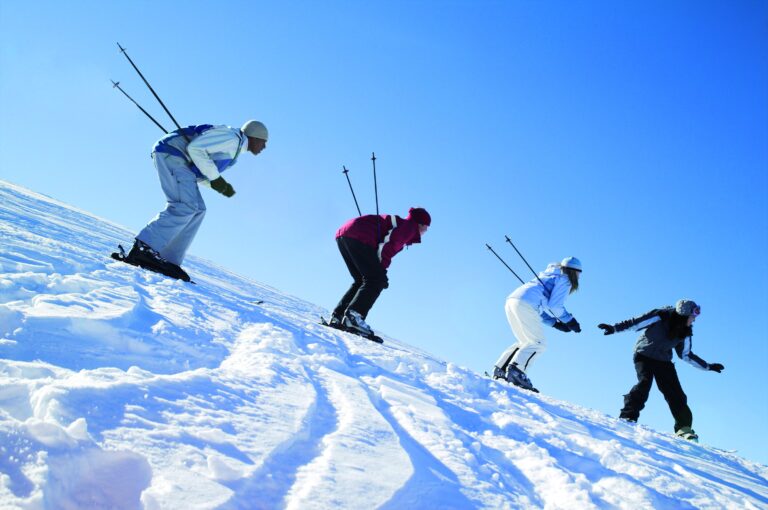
x=607, y=329
x=573, y=325
x=223, y=187
x=560, y=326
x=715, y=367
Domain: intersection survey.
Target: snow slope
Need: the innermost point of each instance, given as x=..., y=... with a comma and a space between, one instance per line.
x=123, y=389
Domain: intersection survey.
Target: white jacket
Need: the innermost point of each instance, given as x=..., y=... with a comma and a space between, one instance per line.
x=212, y=149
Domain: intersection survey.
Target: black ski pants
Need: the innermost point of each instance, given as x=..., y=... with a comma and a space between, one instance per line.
x=370, y=278
x=665, y=374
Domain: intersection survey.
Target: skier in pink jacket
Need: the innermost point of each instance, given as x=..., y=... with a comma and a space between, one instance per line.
x=367, y=244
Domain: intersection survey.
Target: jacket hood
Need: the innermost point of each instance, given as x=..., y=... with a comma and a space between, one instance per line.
x=552, y=269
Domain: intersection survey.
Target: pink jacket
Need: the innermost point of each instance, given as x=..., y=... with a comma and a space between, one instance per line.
x=388, y=235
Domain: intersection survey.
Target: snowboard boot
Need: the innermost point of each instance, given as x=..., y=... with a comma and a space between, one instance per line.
x=354, y=322
x=518, y=378
x=687, y=433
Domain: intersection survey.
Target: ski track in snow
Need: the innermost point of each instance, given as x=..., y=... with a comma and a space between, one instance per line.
x=120, y=388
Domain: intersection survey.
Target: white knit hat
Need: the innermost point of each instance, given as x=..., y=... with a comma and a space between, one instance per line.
x=571, y=262
x=255, y=129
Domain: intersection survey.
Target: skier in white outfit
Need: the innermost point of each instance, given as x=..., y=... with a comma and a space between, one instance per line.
x=540, y=301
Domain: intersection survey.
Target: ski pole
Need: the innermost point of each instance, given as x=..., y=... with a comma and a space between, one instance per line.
x=502, y=261
x=116, y=84
x=346, y=172
x=122, y=50
x=534, y=273
x=376, y=192
x=375, y=183
x=526, y=262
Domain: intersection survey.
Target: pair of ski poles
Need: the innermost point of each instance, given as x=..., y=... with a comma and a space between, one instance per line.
x=514, y=273
x=116, y=84
x=375, y=189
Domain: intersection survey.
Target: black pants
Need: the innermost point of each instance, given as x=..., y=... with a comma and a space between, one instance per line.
x=669, y=384
x=370, y=278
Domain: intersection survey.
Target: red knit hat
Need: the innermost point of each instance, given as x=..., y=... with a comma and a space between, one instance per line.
x=419, y=215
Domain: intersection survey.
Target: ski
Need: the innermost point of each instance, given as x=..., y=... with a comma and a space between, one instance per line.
x=172, y=272
x=372, y=338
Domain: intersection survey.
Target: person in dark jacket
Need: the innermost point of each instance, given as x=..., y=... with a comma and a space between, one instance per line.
x=663, y=329
x=367, y=244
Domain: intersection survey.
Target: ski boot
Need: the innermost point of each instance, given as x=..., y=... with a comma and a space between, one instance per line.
x=334, y=323
x=499, y=374
x=687, y=433
x=144, y=256
x=519, y=379
x=353, y=322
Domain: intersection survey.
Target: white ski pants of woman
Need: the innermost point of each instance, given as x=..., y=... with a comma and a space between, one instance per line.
x=172, y=231
x=527, y=328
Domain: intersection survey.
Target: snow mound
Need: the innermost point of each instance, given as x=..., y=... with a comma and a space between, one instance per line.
x=120, y=388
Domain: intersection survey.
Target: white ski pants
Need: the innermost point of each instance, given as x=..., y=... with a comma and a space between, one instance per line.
x=527, y=328
x=172, y=231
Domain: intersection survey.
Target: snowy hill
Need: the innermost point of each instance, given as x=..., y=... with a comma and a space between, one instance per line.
x=123, y=389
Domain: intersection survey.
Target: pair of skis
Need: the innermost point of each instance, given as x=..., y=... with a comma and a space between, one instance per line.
x=170, y=270
x=372, y=337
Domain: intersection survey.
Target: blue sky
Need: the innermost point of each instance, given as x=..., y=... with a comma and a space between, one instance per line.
x=632, y=135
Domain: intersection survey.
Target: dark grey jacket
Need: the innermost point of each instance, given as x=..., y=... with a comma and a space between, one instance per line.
x=656, y=340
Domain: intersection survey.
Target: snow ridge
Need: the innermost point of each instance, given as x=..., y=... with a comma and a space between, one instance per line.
x=120, y=388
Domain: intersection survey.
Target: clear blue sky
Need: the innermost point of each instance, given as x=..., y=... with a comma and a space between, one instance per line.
x=633, y=135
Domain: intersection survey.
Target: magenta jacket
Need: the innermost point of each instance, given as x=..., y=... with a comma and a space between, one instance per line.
x=394, y=233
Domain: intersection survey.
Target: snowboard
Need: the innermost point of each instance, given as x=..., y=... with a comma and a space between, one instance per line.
x=372, y=338
x=170, y=270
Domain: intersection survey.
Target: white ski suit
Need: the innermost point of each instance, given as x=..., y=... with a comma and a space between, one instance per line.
x=527, y=308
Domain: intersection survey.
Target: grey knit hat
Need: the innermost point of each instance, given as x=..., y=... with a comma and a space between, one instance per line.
x=687, y=307
x=255, y=129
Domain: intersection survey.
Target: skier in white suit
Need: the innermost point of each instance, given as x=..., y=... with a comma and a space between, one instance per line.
x=540, y=301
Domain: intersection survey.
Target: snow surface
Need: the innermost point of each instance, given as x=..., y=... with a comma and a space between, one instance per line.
x=123, y=389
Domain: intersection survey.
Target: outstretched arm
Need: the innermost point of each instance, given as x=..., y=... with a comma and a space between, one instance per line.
x=685, y=353
x=635, y=323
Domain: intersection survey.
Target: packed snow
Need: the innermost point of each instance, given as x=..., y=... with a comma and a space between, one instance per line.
x=120, y=388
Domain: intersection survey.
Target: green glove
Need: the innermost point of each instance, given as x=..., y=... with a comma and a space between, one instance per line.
x=223, y=187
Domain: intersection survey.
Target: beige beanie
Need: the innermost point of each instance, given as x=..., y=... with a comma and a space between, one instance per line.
x=255, y=129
